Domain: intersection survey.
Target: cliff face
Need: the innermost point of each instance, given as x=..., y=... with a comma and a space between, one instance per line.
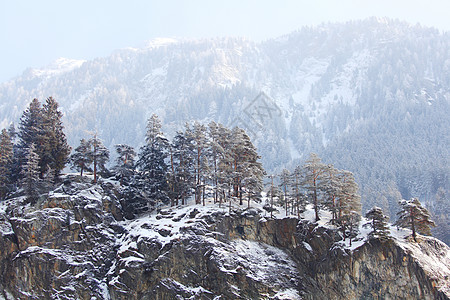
x=74, y=245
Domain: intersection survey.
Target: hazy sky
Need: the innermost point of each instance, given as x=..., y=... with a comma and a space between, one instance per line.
x=33, y=33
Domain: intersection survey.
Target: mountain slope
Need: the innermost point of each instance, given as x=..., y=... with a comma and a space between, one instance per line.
x=370, y=96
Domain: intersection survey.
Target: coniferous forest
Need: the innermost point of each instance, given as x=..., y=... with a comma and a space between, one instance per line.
x=201, y=161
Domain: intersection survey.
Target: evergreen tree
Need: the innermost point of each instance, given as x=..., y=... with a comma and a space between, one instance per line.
x=245, y=164
x=348, y=196
x=330, y=188
x=12, y=132
x=152, y=162
x=42, y=127
x=99, y=155
x=199, y=143
x=225, y=163
x=273, y=194
x=55, y=150
x=285, y=183
x=414, y=216
x=252, y=171
x=378, y=222
x=81, y=159
x=182, y=168
x=299, y=197
x=349, y=203
x=30, y=131
x=124, y=168
x=216, y=152
x=30, y=174
x=313, y=169
x=6, y=161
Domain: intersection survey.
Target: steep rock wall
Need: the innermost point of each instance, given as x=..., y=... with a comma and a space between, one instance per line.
x=376, y=270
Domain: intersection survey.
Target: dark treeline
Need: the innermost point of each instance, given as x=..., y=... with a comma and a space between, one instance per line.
x=40, y=153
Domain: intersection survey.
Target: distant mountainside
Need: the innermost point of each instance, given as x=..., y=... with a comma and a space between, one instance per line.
x=370, y=96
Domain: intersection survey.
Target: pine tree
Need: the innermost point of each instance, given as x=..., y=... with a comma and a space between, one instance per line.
x=152, y=162
x=225, y=163
x=124, y=168
x=349, y=203
x=99, y=155
x=55, y=150
x=313, y=169
x=413, y=215
x=331, y=188
x=245, y=162
x=216, y=152
x=6, y=160
x=30, y=174
x=81, y=159
x=378, y=222
x=274, y=194
x=285, y=183
x=252, y=172
x=349, y=197
x=199, y=143
x=299, y=197
x=30, y=132
x=182, y=167
x=12, y=132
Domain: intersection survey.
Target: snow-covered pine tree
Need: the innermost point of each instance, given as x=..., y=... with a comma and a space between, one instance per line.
x=349, y=203
x=253, y=172
x=81, y=159
x=55, y=151
x=299, y=196
x=30, y=128
x=182, y=168
x=414, y=216
x=331, y=189
x=12, y=132
x=349, y=197
x=225, y=164
x=30, y=174
x=124, y=168
x=313, y=170
x=378, y=222
x=273, y=194
x=152, y=162
x=285, y=183
x=99, y=155
x=216, y=152
x=245, y=162
x=6, y=159
x=199, y=142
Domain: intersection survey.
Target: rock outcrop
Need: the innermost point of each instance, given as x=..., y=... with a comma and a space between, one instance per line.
x=74, y=244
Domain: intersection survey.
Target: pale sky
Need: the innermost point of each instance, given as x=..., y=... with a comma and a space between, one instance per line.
x=33, y=33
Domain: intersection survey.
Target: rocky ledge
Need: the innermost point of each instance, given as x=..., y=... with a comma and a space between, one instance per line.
x=74, y=244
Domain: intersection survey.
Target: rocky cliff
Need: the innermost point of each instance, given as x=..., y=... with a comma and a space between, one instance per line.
x=74, y=244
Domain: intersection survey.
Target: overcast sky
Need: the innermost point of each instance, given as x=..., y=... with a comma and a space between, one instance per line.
x=33, y=33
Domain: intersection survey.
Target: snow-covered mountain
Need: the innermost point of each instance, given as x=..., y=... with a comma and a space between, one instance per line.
x=370, y=96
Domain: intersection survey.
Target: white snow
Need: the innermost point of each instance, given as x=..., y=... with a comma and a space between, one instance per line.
x=160, y=42
x=58, y=67
x=431, y=254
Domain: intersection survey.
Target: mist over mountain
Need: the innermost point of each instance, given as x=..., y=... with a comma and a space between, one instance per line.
x=369, y=96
